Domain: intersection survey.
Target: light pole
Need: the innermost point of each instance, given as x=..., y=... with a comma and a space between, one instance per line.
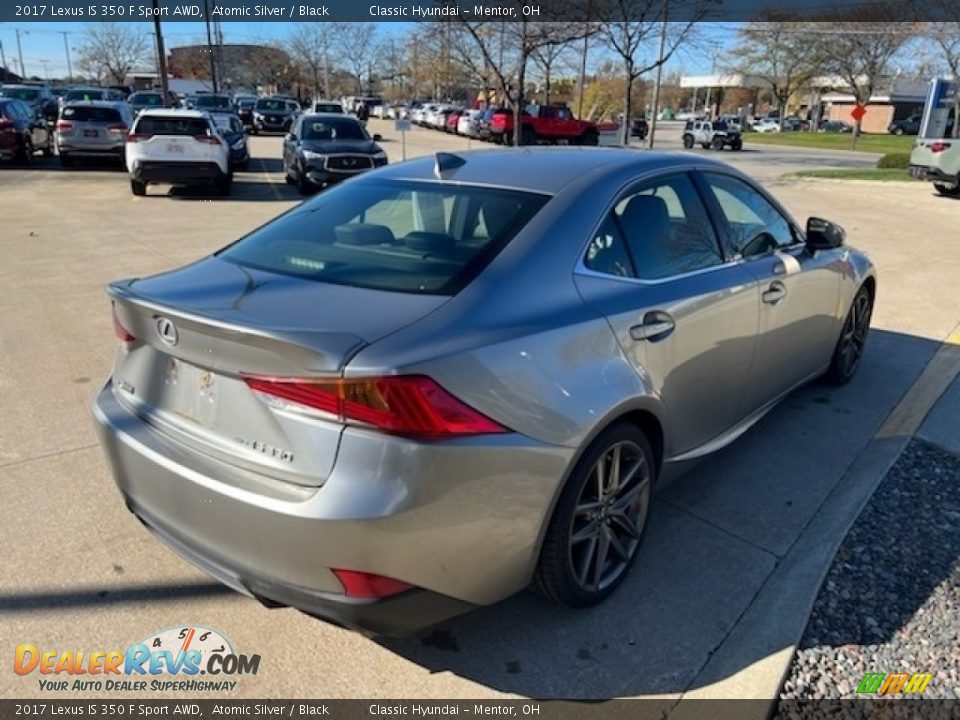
x=656, y=88
x=3, y=61
x=66, y=47
x=23, y=72
x=161, y=55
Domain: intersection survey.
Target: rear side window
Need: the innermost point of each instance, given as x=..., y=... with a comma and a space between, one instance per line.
x=91, y=114
x=171, y=125
x=150, y=100
x=407, y=237
x=84, y=95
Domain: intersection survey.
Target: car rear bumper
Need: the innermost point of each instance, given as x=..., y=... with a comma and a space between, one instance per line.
x=459, y=520
x=184, y=173
x=92, y=150
x=933, y=174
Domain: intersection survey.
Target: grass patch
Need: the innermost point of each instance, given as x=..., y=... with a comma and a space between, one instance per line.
x=833, y=141
x=878, y=174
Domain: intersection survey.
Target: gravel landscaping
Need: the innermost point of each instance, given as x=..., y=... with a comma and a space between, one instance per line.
x=891, y=600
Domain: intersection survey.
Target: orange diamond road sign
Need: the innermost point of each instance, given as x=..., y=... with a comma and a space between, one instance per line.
x=858, y=112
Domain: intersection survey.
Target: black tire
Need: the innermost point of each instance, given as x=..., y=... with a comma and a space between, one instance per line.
x=737, y=144
x=138, y=187
x=528, y=136
x=224, y=184
x=590, y=137
x=571, y=572
x=304, y=186
x=898, y=131
x=48, y=148
x=948, y=190
x=717, y=143
x=688, y=141
x=65, y=160
x=853, y=337
x=25, y=152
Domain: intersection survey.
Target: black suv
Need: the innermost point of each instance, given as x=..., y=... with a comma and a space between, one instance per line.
x=274, y=114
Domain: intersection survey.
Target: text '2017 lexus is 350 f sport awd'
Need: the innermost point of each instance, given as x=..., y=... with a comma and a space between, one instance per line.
x=439, y=383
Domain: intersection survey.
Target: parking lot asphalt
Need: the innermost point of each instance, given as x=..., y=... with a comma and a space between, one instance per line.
x=81, y=573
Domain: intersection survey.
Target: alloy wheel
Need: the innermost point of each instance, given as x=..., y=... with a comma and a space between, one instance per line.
x=609, y=517
x=854, y=336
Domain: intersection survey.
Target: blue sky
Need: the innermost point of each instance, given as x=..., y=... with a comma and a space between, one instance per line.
x=43, y=41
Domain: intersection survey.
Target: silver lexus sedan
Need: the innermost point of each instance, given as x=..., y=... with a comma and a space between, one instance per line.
x=446, y=380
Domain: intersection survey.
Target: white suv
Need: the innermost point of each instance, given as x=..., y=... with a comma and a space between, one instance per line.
x=182, y=147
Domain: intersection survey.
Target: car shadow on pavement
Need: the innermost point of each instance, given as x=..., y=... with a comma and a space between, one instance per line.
x=243, y=189
x=715, y=537
x=77, y=598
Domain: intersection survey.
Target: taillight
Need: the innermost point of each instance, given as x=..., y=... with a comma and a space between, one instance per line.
x=117, y=128
x=64, y=126
x=138, y=137
x=123, y=335
x=209, y=139
x=938, y=147
x=368, y=586
x=411, y=405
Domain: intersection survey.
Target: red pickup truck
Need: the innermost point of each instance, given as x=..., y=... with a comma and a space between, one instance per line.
x=548, y=123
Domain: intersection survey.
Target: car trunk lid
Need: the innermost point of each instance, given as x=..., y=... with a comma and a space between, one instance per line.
x=201, y=329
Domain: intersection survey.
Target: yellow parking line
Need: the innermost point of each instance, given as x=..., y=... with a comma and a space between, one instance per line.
x=937, y=376
x=270, y=182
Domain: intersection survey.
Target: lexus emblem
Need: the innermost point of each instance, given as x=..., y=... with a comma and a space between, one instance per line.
x=167, y=331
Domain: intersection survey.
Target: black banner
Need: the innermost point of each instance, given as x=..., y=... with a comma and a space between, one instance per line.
x=259, y=11
x=438, y=709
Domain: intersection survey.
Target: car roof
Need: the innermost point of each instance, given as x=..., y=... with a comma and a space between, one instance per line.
x=179, y=112
x=543, y=169
x=332, y=116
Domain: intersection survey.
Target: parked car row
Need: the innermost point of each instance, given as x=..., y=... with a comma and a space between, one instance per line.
x=539, y=123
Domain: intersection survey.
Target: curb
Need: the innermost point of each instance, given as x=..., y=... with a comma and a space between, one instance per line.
x=774, y=623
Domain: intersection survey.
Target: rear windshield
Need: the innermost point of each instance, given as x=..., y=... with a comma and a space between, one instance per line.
x=91, y=114
x=171, y=125
x=328, y=108
x=28, y=94
x=317, y=129
x=425, y=238
x=272, y=105
x=212, y=101
x=148, y=99
x=85, y=95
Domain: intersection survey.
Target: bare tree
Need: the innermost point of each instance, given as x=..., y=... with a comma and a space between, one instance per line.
x=858, y=47
x=354, y=42
x=112, y=50
x=545, y=58
x=310, y=45
x=773, y=51
x=632, y=28
x=506, y=48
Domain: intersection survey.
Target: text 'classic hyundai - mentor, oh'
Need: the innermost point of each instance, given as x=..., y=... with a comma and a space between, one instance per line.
x=438, y=382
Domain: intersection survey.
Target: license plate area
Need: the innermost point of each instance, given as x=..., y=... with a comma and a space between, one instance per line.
x=190, y=392
x=918, y=172
x=90, y=133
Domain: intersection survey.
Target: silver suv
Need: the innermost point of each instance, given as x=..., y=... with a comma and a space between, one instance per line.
x=92, y=129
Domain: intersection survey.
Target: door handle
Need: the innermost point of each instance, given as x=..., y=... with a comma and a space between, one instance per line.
x=655, y=326
x=774, y=294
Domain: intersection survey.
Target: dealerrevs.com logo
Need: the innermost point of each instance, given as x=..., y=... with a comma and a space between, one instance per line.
x=166, y=661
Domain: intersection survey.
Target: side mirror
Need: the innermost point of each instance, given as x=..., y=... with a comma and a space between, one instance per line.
x=378, y=137
x=824, y=235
